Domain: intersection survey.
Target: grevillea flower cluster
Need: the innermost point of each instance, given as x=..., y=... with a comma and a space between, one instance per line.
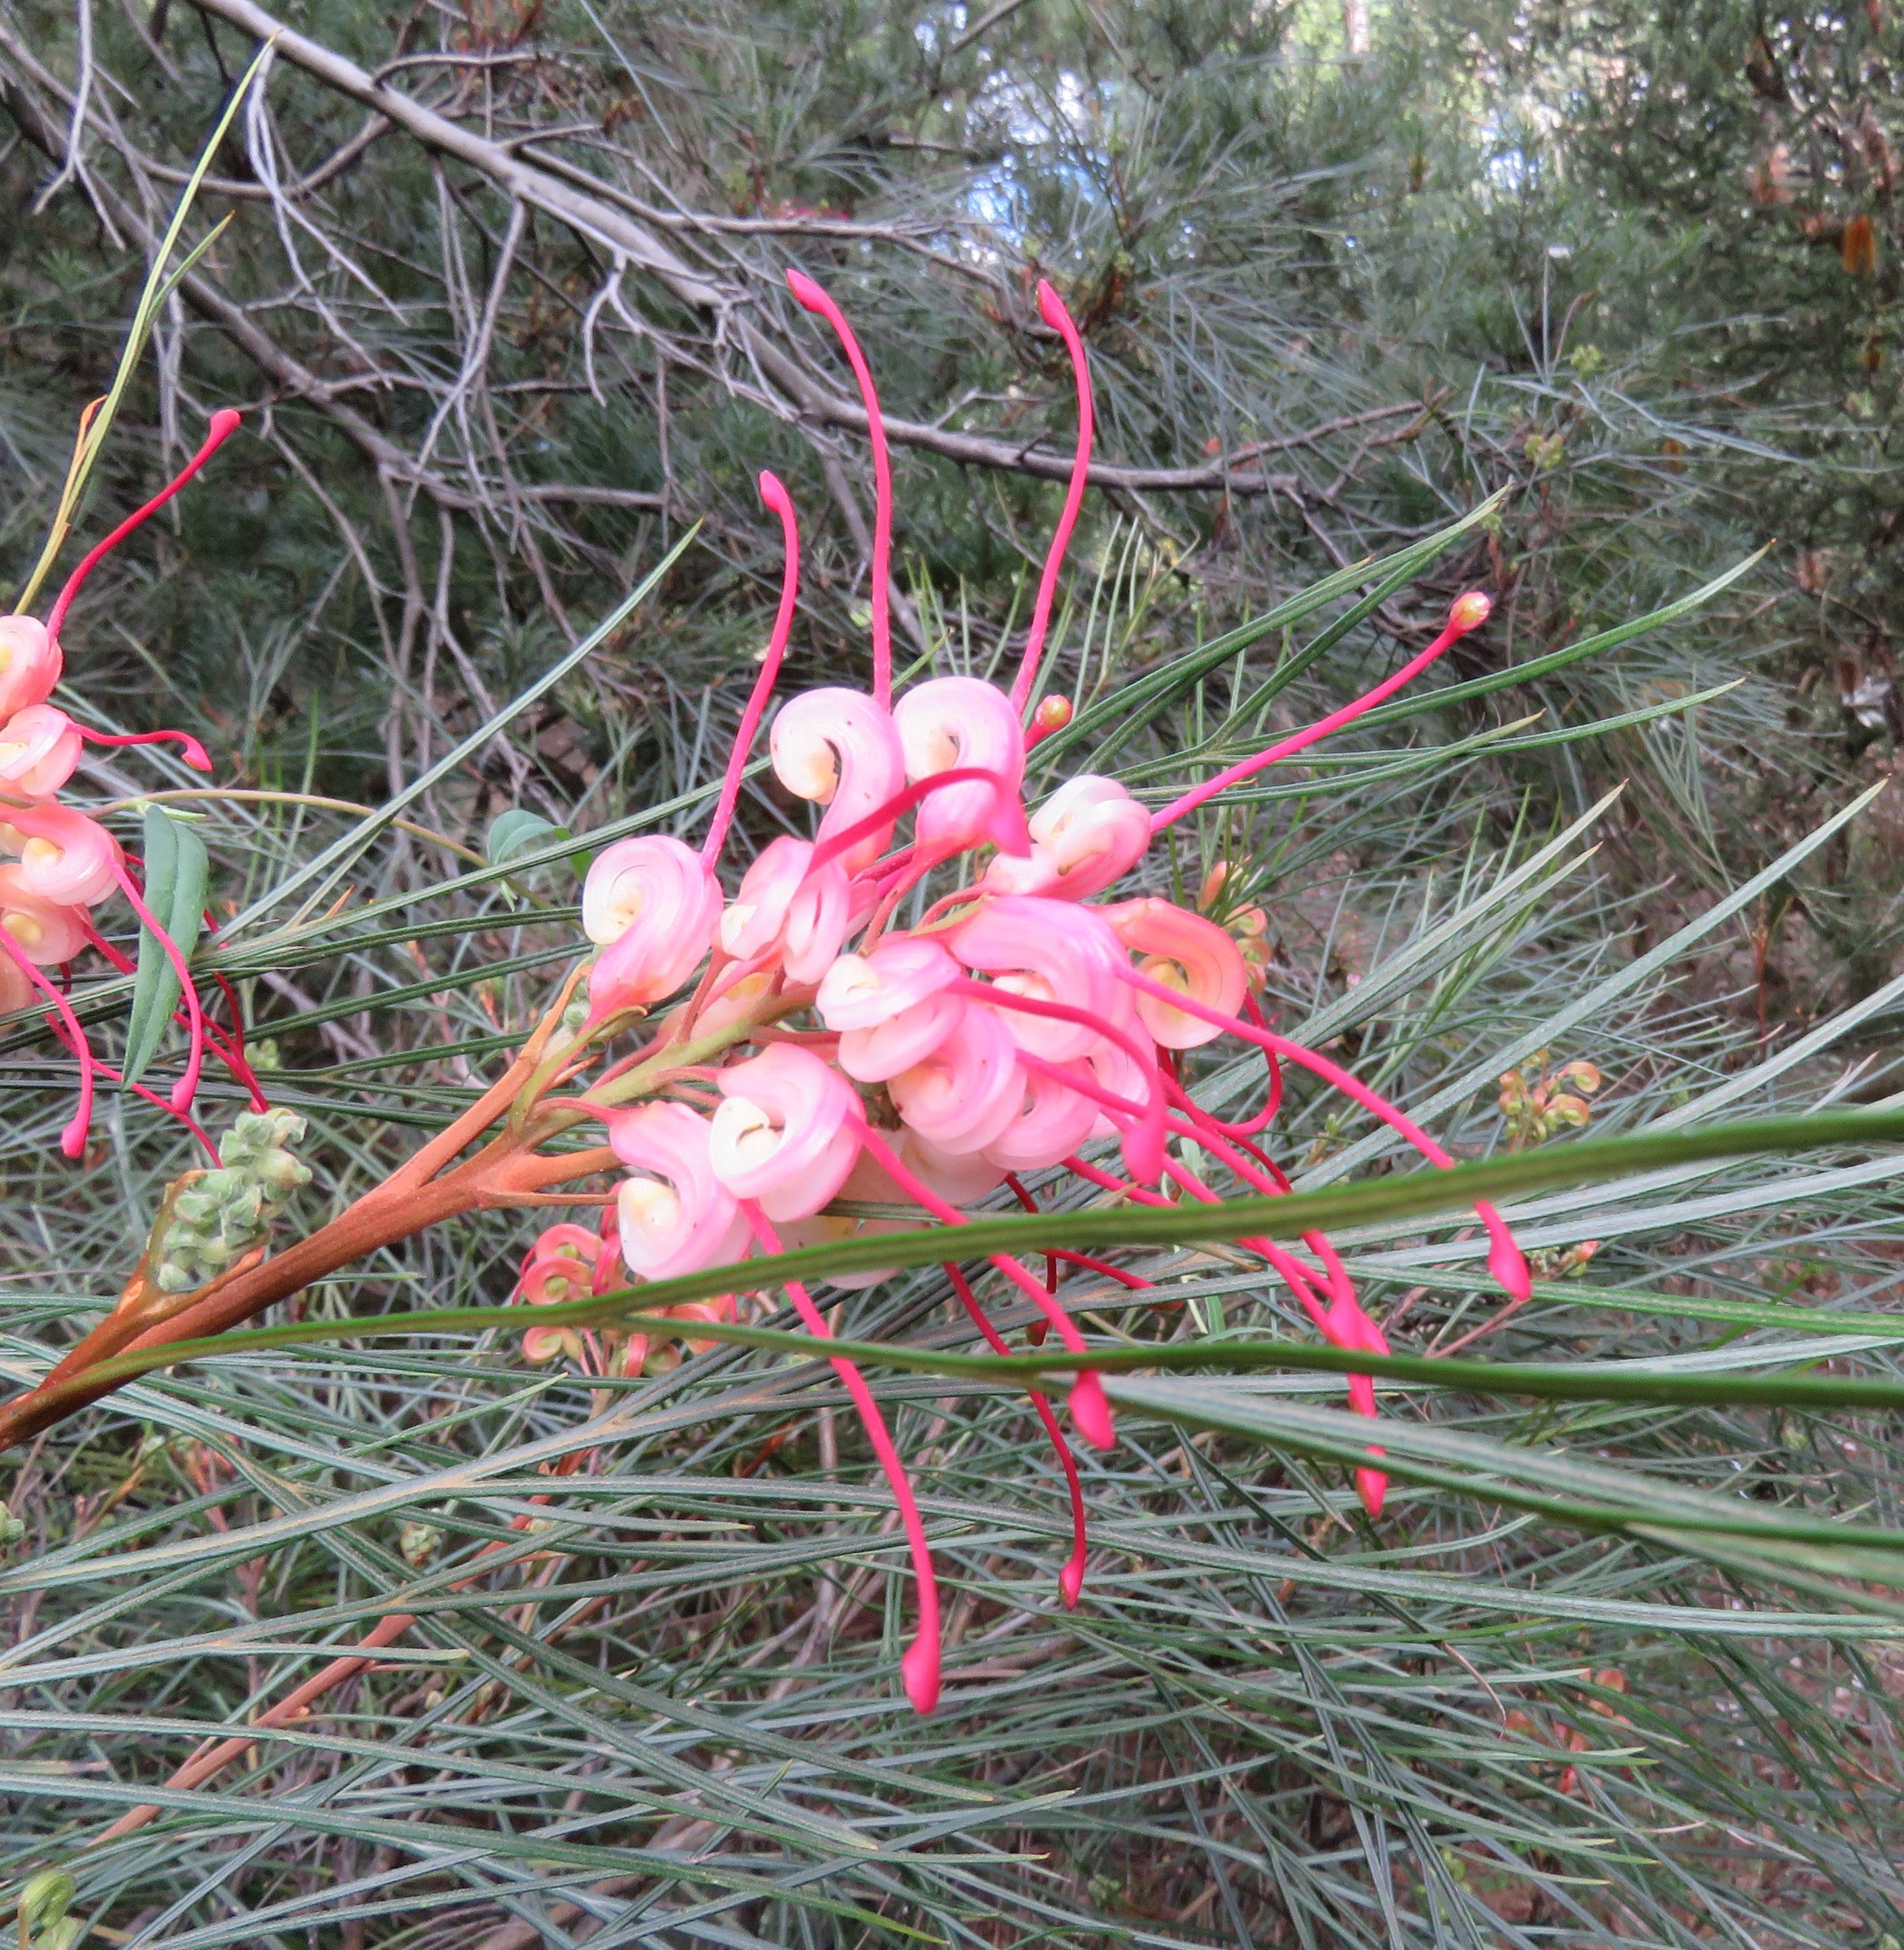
x=61, y=863
x=1031, y=1018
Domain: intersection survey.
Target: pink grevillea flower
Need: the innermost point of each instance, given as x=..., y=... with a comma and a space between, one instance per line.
x=29, y=664
x=654, y=904
x=816, y=300
x=1183, y=951
x=788, y=1133
x=788, y=906
x=959, y=723
x=38, y=748
x=1468, y=612
x=64, y=857
x=677, y=1216
x=1057, y=1114
x=559, y=1266
x=891, y=1007
x=46, y=932
x=1051, y=308
x=1052, y=952
x=1088, y=833
x=966, y=1092
x=840, y=750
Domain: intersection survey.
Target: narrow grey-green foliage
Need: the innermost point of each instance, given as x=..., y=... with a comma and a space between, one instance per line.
x=1547, y=1699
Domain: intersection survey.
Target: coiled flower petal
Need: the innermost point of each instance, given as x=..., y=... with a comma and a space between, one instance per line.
x=1050, y=951
x=44, y=932
x=861, y=992
x=1184, y=951
x=956, y=722
x=788, y=1133
x=1088, y=834
x=839, y=748
x=64, y=857
x=38, y=748
x=29, y=664
x=654, y=906
x=679, y=1217
x=968, y=1090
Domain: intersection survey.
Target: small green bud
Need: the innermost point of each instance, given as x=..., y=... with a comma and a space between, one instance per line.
x=62, y=1935
x=12, y=1528
x=418, y=1542
x=45, y=1898
x=174, y=1278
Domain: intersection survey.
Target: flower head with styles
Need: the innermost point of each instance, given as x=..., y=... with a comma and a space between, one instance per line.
x=1034, y=1010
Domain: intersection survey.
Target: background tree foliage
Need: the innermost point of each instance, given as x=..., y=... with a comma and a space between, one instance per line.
x=501, y=292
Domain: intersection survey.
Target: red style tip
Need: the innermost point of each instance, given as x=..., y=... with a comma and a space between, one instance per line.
x=1051, y=307
x=1053, y=713
x=919, y=1671
x=1508, y=1264
x=1372, y=1487
x=1070, y=1582
x=810, y=294
x=1470, y=611
x=1091, y=1412
x=773, y=494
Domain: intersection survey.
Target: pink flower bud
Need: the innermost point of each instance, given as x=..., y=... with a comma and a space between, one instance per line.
x=38, y=748
x=46, y=932
x=968, y=1090
x=1185, y=952
x=788, y=1133
x=678, y=1217
x=29, y=664
x=655, y=906
x=842, y=751
x=64, y=857
x=953, y=723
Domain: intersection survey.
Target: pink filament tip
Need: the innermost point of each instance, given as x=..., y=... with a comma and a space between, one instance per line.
x=815, y=299
x=224, y=423
x=194, y=754
x=1091, y=1411
x=1052, y=308
x=1371, y=1487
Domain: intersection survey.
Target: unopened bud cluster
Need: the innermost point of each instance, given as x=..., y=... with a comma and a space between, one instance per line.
x=222, y=1214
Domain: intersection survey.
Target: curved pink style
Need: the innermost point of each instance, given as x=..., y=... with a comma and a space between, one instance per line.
x=840, y=750
x=38, y=748
x=654, y=905
x=775, y=496
x=29, y=664
x=1469, y=612
x=64, y=857
x=678, y=1217
x=194, y=754
x=187, y=1086
x=1051, y=308
x=223, y=424
x=787, y=1133
x=815, y=299
x=1505, y=1260
x=955, y=722
x=1187, y=951
x=73, y=1139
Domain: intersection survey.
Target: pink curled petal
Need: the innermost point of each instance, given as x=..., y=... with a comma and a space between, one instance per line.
x=45, y=932
x=816, y=922
x=30, y=663
x=1050, y=308
x=64, y=857
x=1051, y=1123
x=1049, y=951
x=1094, y=833
x=753, y=921
x=554, y=1278
x=1033, y=872
x=957, y=722
x=964, y=1094
x=38, y=748
x=840, y=750
x=655, y=906
x=1184, y=951
x=577, y=1242
x=875, y=1055
x=861, y=992
x=678, y=1218
x=787, y=1133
